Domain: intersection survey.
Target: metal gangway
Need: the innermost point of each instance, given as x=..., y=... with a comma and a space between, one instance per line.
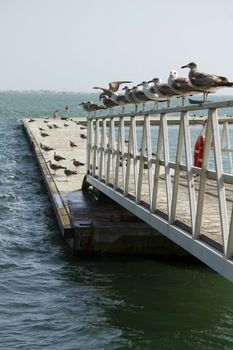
x=144, y=161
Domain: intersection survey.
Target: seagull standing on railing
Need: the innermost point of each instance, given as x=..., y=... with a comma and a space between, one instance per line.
x=206, y=82
x=91, y=107
x=181, y=86
x=107, y=102
x=163, y=90
x=140, y=96
x=151, y=93
x=119, y=99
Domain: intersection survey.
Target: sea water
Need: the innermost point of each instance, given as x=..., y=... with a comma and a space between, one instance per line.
x=51, y=300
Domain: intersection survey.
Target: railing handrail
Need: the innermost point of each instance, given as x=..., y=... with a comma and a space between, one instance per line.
x=198, y=107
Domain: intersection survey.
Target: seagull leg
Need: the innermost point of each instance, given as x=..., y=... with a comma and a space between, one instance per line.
x=155, y=105
x=123, y=109
x=168, y=102
x=136, y=108
x=183, y=100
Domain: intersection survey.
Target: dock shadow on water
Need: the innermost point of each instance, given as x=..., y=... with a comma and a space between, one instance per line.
x=52, y=300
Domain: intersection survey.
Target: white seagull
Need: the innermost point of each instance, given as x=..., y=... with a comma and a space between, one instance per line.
x=181, y=85
x=163, y=90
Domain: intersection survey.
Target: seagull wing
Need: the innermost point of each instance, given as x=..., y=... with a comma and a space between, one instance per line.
x=182, y=84
x=165, y=89
x=114, y=85
x=106, y=92
x=207, y=80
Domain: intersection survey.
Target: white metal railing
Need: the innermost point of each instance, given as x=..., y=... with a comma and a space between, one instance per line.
x=133, y=173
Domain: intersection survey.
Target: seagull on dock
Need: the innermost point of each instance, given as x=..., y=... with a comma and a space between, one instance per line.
x=57, y=157
x=181, y=86
x=69, y=172
x=46, y=148
x=77, y=163
x=72, y=144
x=163, y=90
x=55, y=166
x=44, y=134
x=83, y=136
x=204, y=81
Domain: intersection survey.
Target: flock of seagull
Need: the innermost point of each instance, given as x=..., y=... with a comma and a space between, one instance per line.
x=55, y=163
x=158, y=91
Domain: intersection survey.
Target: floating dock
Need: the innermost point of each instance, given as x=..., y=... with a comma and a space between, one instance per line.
x=90, y=222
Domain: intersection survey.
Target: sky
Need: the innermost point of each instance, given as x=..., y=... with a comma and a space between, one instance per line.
x=73, y=45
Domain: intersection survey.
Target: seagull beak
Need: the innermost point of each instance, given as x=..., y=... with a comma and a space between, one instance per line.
x=186, y=66
x=149, y=81
x=139, y=84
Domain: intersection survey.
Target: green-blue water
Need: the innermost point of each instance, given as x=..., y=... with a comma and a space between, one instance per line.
x=51, y=300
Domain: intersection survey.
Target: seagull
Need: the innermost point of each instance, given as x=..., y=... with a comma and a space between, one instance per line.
x=77, y=163
x=55, y=166
x=84, y=105
x=69, y=172
x=55, y=114
x=57, y=157
x=66, y=108
x=43, y=134
x=41, y=129
x=163, y=90
x=129, y=95
x=91, y=107
x=120, y=99
x=206, y=82
x=114, y=85
x=108, y=103
x=46, y=148
x=151, y=93
x=181, y=86
x=72, y=144
x=140, y=96
x=83, y=136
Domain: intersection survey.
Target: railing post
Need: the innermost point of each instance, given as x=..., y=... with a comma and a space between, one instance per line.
x=102, y=164
x=157, y=166
x=89, y=143
x=166, y=163
x=189, y=167
x=177, y=171
x=111, y=151
x=220, y=182
x=96, y=147
x=205, y=161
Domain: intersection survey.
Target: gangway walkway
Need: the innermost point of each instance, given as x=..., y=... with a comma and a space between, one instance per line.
x=149, y=170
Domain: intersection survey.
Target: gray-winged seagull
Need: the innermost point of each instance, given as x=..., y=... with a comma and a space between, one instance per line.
x=204, y=81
